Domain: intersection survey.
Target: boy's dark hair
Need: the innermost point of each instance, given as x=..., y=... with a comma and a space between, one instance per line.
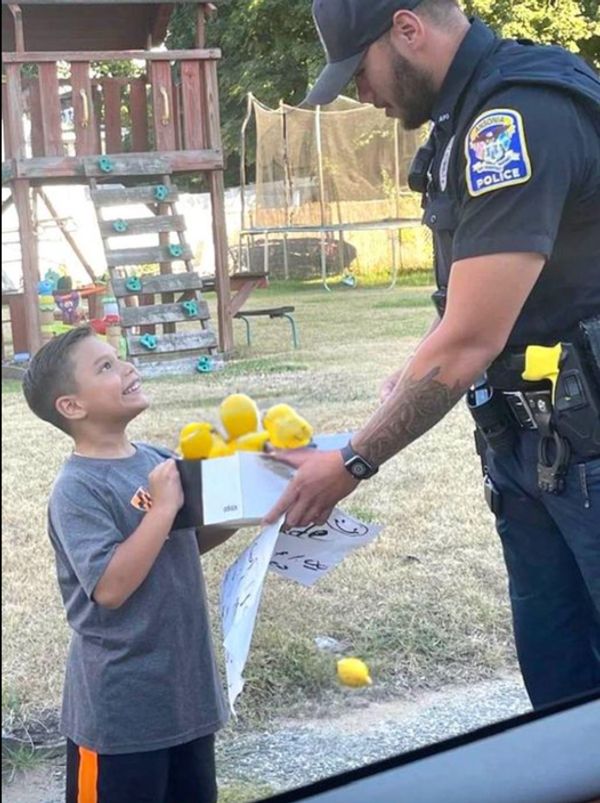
x=50, y=375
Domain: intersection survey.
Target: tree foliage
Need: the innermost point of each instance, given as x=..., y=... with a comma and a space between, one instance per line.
x=271, y=48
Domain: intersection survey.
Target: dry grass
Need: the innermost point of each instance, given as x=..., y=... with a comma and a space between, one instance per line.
x=425, y=604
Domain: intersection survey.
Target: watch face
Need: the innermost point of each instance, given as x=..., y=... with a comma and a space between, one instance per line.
x=358, y=468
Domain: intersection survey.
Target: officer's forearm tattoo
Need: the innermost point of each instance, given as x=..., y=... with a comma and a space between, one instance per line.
x=414, y=407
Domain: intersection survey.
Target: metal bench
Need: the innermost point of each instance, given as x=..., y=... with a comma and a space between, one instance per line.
x=272, y=312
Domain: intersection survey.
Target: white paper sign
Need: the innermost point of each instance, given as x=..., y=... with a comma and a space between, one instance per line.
x=241, y=589
x=306, y=554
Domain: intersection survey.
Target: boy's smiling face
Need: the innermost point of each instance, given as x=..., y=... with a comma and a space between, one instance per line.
x=109, y=389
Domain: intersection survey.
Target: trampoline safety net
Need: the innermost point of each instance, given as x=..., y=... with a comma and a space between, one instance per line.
x=339, y=174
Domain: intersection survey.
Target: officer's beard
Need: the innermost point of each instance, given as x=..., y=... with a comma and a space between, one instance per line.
x=414, y=94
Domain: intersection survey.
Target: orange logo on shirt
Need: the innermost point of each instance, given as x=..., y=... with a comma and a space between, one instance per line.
x=141, y=500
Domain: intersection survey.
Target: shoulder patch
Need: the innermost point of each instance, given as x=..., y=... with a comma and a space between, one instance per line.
x=496, y=152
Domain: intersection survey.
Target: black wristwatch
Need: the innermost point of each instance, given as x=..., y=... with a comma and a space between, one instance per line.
x=360, y=468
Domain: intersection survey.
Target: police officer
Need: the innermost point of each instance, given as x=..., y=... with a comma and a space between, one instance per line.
x=511, y=184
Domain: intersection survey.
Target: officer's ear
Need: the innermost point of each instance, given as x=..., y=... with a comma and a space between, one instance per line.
x=407, y=30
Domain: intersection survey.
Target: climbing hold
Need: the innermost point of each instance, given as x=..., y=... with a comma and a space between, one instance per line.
x=148, y=342
x=46, y=303
x=120, y=225
x=175, y=250
x=64, y=284
x=204, y=365
x=190, y=308
x=133, y=284
x=45, y=288
x=105, y=164
x=161, y=192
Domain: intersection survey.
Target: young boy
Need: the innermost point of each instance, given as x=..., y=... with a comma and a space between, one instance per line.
x=142, y=697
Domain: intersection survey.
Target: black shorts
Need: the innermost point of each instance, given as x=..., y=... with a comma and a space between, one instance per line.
x=181, y=774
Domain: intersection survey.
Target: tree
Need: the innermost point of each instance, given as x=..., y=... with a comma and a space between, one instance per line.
x=574, y=24
x=271, y=48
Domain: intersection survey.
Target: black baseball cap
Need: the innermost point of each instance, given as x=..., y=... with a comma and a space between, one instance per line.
x=346, y=29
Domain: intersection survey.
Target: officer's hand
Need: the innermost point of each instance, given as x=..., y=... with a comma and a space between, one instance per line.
x=164, y=485
x=320, y=482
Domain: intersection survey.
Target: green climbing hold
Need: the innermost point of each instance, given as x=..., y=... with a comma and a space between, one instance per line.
x=148, y=342
x=161, y=192
x=133, y=284
x=105, y=164
x=204, y=365
x=120, y=225
x=190, y=308
x=175, y=250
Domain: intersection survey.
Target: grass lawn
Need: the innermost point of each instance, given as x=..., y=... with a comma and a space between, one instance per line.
x=425, y=604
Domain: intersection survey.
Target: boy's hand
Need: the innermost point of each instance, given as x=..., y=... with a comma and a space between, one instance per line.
x=164, y=485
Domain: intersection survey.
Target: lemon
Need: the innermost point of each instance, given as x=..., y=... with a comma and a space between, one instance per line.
x=220, y=448
x=196, y=440
x=252, y=442
x=239, y=415
x=277, y=411
x=287, y=429
x=353, y=672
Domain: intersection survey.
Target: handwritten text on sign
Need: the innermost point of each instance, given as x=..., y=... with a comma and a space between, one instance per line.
x=305, y=554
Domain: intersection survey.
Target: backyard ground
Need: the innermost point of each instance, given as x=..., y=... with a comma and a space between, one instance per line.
x=425, y=604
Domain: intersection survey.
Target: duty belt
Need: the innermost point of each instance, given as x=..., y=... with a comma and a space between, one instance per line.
x=533, y=410
x=529, y=407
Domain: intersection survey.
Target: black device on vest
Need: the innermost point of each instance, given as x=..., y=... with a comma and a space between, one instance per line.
x=419, y=168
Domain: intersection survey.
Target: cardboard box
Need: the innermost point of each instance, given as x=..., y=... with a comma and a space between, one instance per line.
x=241, y=489
x=237, y=491
x=234, y=491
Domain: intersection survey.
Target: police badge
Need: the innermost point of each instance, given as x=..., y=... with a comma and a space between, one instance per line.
x=496, y=152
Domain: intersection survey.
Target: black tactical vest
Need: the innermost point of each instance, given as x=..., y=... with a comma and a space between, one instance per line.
x=504, y=63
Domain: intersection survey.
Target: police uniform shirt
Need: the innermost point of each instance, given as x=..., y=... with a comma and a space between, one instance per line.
x=520, y=174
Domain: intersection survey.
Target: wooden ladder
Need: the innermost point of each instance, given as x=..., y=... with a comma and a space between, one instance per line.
x=135, y=293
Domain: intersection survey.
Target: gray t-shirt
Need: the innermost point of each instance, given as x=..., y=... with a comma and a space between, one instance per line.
x=143, y=676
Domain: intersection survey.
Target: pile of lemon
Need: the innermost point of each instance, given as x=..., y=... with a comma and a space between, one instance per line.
x=244, y=429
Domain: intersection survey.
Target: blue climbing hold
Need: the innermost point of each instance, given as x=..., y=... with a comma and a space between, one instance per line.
x=133, y=284
x=190, y=308
x=161, y=192
x=105, y=164
x=148, y=342
x=175, y=250
x=45, y=288
x=120, y=225
x=204, y=365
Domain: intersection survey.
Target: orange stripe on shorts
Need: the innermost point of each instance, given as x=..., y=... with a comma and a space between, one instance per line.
x=87, y=785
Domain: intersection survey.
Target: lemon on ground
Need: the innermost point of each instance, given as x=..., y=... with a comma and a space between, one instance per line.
x=353, y=672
